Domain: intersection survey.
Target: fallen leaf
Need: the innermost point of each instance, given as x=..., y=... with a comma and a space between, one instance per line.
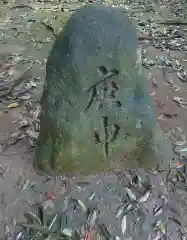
x=26, y=185
x=117, y=238
x=32, y=218
x=13, y=105
x=48, y=204
x=131, y=195
x=24, y=123
x=183, y=150
x=120, y=211
x=145, y=197
x=92, y=218
x=180, y=143
x=91, y=197
x=179, y=164
x=89, y=235
x=104, y=231
x=124, y=224
x=68, y=232
x=157, y=210
x=32, y=134
x=82, y=205
x=52, y=195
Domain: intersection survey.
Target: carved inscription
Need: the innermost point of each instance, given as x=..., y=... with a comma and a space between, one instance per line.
x=104, y=93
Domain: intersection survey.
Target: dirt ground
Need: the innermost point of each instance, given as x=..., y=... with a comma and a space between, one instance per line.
x=22, y=33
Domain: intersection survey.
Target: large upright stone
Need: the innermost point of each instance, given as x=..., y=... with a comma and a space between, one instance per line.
x=97, y=113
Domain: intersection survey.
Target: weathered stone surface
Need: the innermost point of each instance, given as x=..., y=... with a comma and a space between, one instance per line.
x=97, y=113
